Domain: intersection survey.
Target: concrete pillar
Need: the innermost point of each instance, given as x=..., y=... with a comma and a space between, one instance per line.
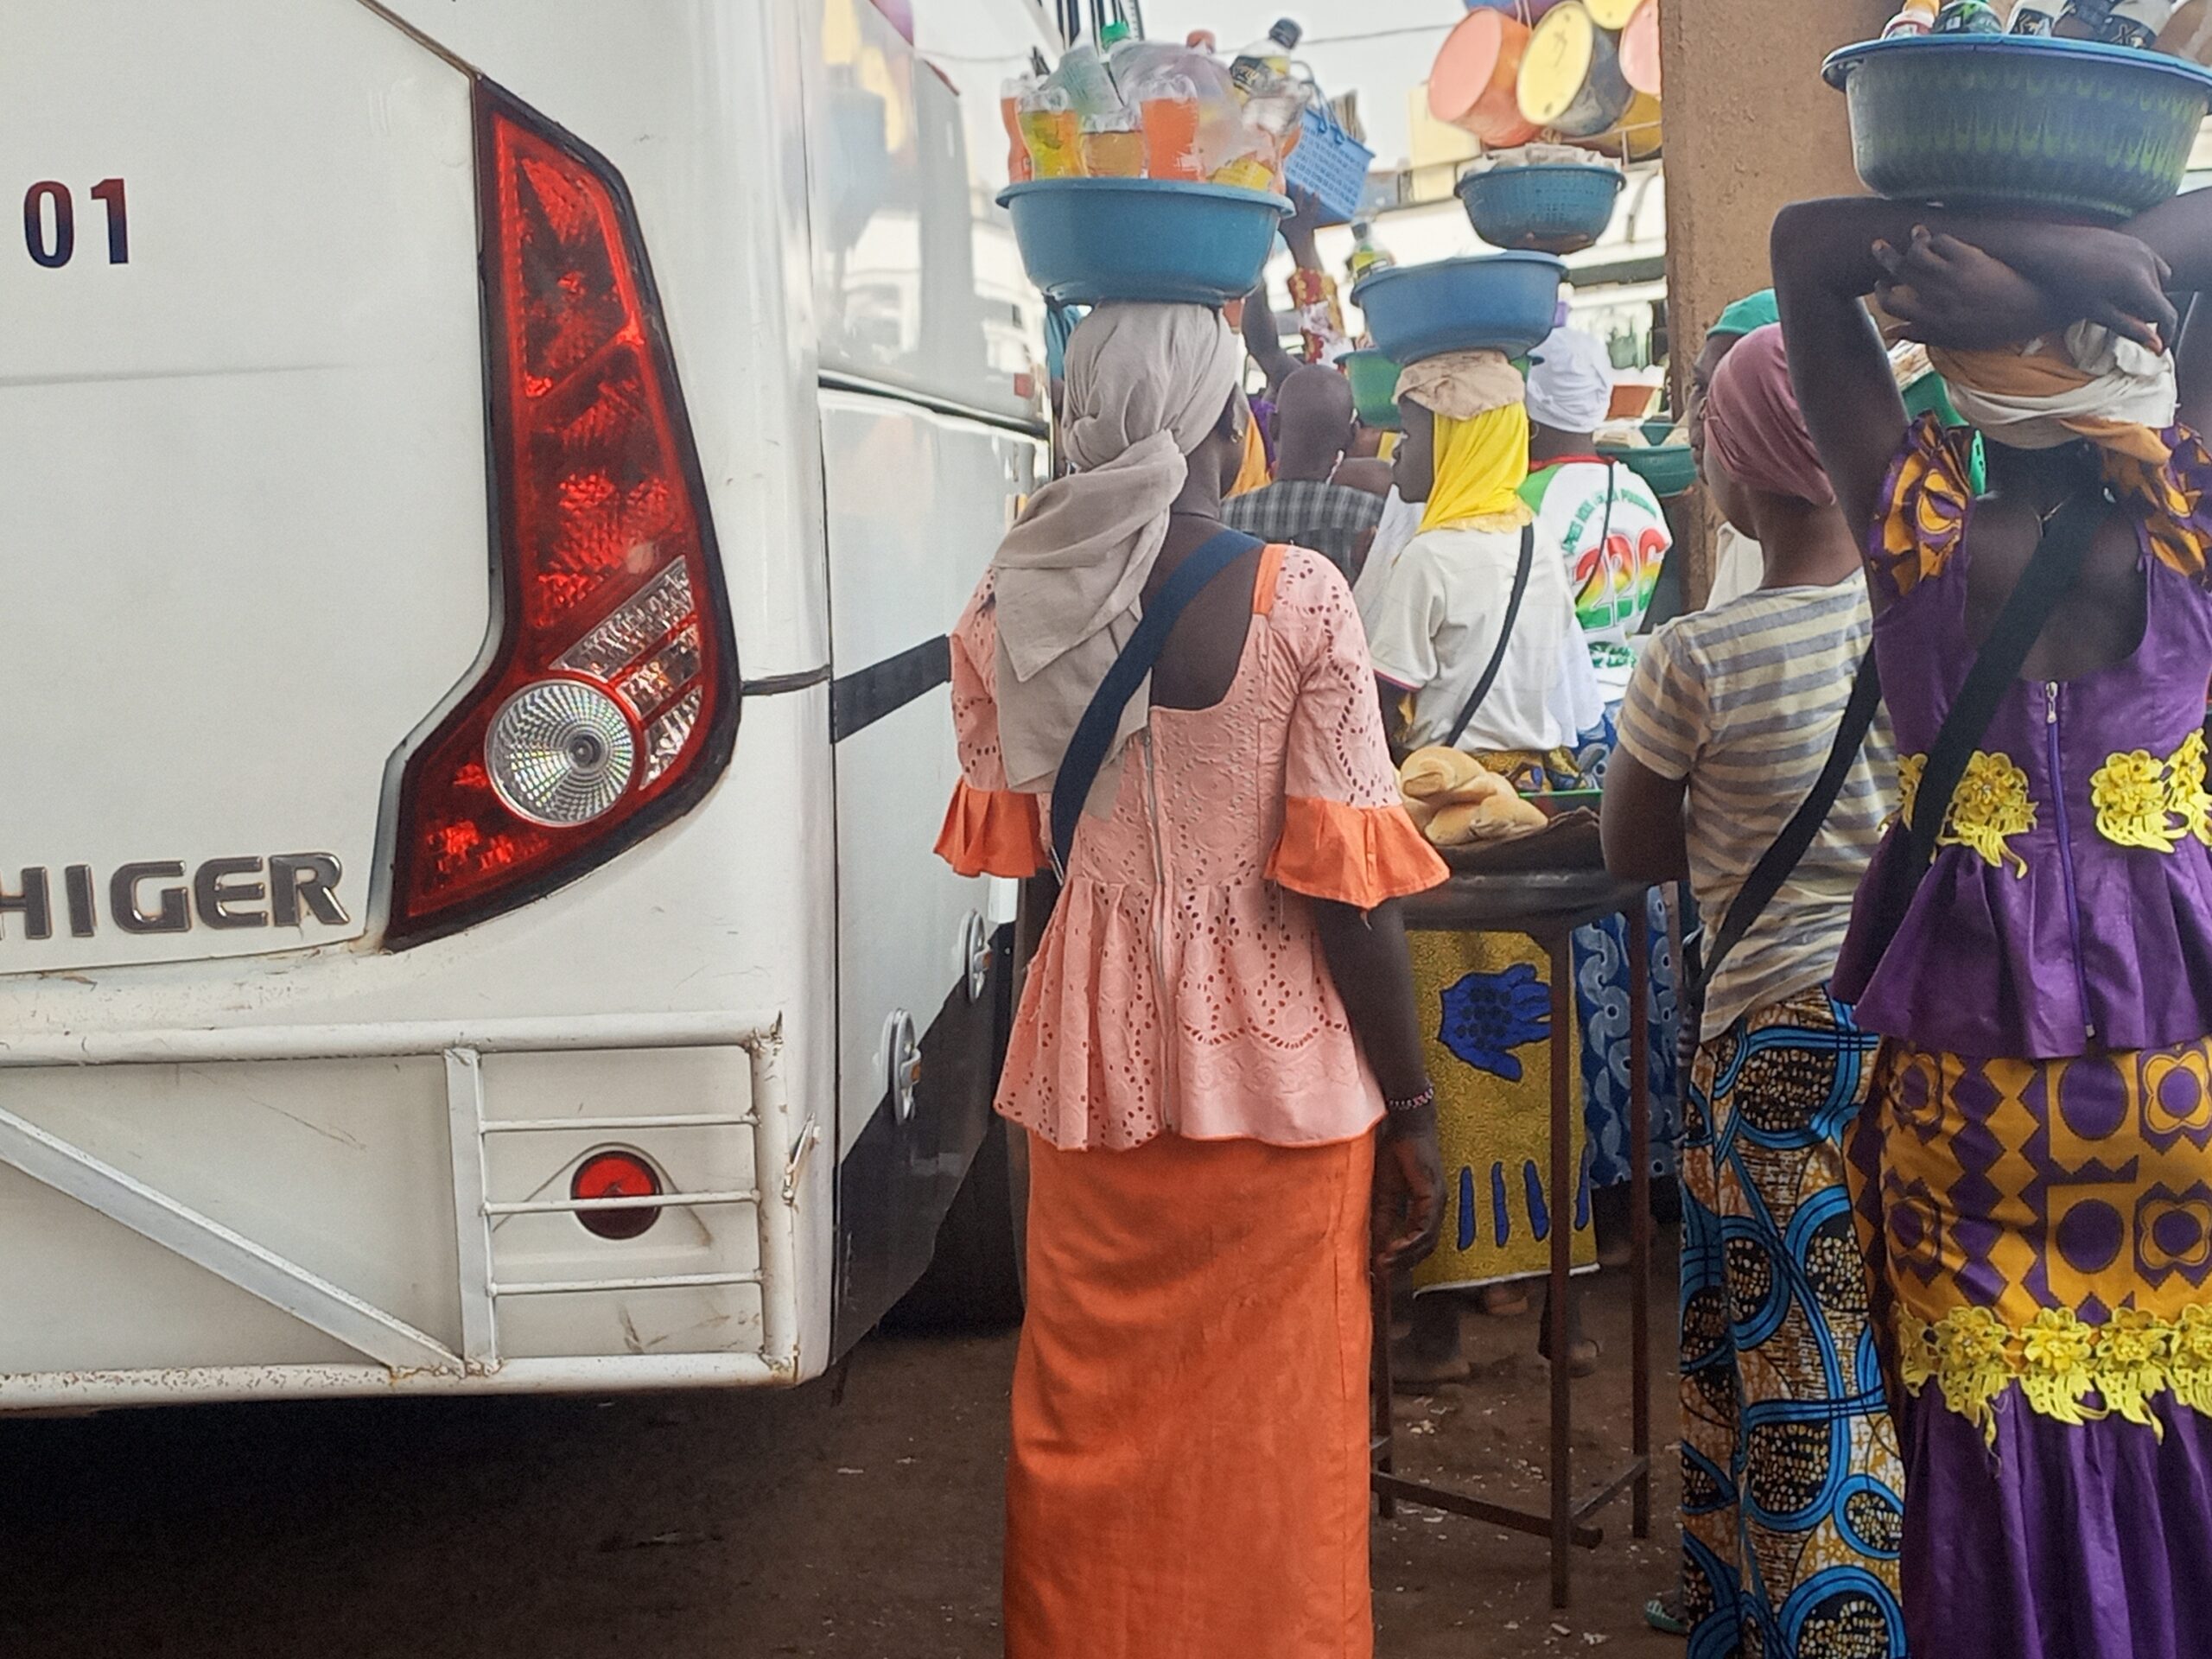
x=1749, y=126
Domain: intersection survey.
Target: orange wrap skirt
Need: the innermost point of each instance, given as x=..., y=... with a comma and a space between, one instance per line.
x=1188, y=1477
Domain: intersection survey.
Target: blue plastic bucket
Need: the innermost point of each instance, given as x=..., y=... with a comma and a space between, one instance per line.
x=1498, y=302
x=1085, y=241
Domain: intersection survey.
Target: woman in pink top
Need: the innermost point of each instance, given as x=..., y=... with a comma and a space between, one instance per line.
x=1219, y=1018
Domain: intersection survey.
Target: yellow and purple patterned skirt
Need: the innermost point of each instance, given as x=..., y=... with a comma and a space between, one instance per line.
x=2040, y=1239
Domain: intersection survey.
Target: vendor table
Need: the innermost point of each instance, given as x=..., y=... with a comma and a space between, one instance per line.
x=1547, y=905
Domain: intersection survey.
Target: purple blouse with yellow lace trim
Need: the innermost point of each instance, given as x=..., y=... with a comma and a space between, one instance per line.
x=2069, y=907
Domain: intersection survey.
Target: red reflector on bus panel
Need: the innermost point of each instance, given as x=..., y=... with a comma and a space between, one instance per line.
x=606, y=547
x=616, y=1175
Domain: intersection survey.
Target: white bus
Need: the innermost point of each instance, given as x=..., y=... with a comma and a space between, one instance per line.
x=486, y=482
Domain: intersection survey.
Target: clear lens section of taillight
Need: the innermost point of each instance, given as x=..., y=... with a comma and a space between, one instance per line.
x=610, y=701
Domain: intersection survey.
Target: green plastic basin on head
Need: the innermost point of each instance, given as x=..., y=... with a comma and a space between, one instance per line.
x=1669, y=469
x=1374, y=388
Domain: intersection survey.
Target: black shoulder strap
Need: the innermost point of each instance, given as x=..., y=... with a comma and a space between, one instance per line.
x=1094, y=733
x=2051, y=571
x=1504, y=636
x=1779, y=860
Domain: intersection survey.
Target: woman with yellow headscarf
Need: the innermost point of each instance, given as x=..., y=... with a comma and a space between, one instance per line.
x=1434, y=626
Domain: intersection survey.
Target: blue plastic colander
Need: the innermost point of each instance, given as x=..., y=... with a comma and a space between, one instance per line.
x=1548, y=208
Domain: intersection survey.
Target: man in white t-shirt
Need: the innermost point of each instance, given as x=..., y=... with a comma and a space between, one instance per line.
x=1437, y=626
x=1435, y=617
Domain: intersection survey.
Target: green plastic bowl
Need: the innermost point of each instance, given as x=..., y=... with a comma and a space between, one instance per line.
x=2007, y=120
x=1669, y=469
x=1554, y=803
x=1374, y=388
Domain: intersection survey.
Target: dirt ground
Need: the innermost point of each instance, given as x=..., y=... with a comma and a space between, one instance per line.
x=729, y=1526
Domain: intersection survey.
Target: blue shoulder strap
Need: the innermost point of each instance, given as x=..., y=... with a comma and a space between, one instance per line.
x=1094, y=733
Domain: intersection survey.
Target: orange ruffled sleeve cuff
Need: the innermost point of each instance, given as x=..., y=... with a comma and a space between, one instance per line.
x=1363, y=857
x=992, y=832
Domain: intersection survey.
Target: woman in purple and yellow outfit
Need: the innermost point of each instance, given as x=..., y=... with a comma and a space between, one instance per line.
x=2036, y=1163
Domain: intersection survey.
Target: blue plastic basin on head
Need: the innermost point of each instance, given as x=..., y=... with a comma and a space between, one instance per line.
x=2007, y=120
x=1496, y=302
x=1085, y=241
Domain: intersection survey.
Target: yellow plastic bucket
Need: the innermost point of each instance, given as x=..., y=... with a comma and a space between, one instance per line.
x=1571, y=81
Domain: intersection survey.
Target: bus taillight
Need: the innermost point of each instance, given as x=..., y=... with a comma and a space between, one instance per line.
x=607, y=702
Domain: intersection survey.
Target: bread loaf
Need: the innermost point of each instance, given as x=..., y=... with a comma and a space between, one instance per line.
x=1433, y=771
x=1495, y=818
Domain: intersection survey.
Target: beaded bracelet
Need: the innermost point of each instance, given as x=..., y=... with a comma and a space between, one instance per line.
x=1411, y=1103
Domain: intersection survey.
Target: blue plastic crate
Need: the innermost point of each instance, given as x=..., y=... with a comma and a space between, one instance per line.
x=1332, y=164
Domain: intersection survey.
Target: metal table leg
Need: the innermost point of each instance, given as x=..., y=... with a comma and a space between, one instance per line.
x=1564, y=1523
x=1382, y=1425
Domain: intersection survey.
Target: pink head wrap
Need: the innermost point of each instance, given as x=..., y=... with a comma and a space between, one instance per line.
x=1752, y=422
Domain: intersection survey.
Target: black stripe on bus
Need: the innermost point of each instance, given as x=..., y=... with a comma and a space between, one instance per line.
x=780, y=685
x=858, y=701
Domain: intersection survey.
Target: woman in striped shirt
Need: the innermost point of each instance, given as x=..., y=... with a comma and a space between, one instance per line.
x=1791, y=1485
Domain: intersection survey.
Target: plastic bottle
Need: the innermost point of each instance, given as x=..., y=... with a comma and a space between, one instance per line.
x=1274, y=97
x=1112, y=148
x=1168, y=113
x=1968, y=17
x=2036, y=17
x=1266, y=61
x=1019, y=167
x=1368, y=255
x=2189, y=32
x=1052, y=131
x=1083, y=75
x=2137, y=23
x=1252, y=171
x=1916, y=17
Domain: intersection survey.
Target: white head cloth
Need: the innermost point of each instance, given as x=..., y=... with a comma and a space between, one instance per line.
x=1145, y=384
x=2120, y=385
x=1570, y=382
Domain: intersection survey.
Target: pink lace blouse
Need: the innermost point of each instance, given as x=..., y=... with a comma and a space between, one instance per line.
x=1180, y=988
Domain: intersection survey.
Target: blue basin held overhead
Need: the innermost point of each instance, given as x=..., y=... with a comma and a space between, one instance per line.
x=2014, y=121
x=1086, y=241
x=1496, y=302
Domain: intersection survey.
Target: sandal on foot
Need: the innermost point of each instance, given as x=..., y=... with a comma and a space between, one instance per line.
x=1664, y=1613
x=1505, y=1301
x=1582, y=1353
x=1411, y=1374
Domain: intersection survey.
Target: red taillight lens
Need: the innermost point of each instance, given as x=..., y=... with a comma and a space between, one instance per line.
x=609, y=703
x=616, y=1175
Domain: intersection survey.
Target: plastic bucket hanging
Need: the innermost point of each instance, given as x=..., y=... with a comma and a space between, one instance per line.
x=1471, y=85
x=1611, y=14
x=1639, y=127
x=1570, y=79
x=1640, y=49
x=1636, y=137
x=1526, y=10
